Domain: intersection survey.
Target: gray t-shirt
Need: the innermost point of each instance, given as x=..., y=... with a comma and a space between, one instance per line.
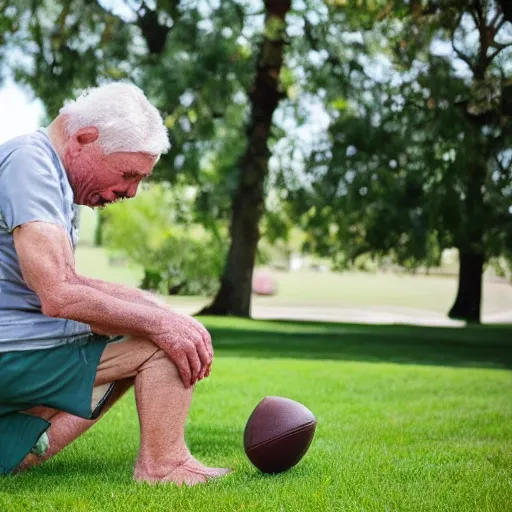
x=33, y=187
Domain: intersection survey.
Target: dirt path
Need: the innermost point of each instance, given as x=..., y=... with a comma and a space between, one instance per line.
x=375, y=315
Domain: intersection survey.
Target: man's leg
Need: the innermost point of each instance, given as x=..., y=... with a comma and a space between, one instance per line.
x=66, y=428
x=162, y=403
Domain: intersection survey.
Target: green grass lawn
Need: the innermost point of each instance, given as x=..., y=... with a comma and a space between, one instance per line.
x=356, y=289
x=94, y=262
x=409, y=419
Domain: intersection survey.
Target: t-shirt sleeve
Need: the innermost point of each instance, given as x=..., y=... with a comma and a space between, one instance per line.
x=30, y=189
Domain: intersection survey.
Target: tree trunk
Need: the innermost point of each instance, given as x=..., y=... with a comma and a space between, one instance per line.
x=98, y=232
x=469, y=295
x=234, y=295
x=471, y=247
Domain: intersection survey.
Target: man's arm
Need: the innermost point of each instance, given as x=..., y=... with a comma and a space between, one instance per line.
x=47, y=263
x=125, y=292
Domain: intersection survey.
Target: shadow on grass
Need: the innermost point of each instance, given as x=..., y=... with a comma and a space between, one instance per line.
x=472, y=346
x=61, y=474
x=207, y=441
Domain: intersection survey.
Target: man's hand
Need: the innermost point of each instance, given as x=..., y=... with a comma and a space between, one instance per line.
x=148, y=299
x=189, y=345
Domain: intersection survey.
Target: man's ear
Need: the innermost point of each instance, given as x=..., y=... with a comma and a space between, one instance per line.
x=87, y=135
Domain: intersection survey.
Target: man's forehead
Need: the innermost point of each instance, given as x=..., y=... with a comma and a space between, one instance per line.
x=140, y=163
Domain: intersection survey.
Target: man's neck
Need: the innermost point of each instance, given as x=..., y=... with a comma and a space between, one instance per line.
x=57, y=135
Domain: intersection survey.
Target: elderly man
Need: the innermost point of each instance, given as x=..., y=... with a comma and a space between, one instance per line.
x=70, y=346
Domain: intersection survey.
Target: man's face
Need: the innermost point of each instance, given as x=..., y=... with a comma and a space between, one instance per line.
x=98, y=179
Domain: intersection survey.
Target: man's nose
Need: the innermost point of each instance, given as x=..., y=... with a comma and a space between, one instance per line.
x=132, y=190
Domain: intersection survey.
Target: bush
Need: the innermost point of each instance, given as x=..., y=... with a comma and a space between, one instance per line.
x=190, y=263
x=156, y=230
x=502, y=267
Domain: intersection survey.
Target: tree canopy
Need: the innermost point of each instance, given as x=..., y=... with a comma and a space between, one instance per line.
x=417, y=156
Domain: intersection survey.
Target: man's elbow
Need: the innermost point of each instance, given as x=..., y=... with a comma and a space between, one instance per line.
x=56, y=302
x=52, y=307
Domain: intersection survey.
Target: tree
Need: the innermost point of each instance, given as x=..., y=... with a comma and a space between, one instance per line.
x=196, y=63
x=191, y=63
x=234, y=296
x=416, y=159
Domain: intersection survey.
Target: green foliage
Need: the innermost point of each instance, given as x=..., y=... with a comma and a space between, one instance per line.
x=502, y=267
x=275, y=28
x=156, y=231
x=416, y=159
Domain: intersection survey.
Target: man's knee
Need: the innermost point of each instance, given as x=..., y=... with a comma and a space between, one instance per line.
x=159, y=359
x=47, y=413
x=127, y=358
x=123, y=360
x=28, y=462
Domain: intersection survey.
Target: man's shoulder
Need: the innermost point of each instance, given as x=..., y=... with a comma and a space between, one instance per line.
x=31, y=151
x=32, y=185
x=29, y=143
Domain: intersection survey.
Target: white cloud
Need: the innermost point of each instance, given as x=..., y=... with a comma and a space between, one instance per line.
x=18, y=113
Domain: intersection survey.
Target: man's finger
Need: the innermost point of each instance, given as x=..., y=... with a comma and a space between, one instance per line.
x=204, y=356
x=194, y=363
x=206, y=371
x=183, y=366
x=209, y=348
x=207, y=339
x=206, y=353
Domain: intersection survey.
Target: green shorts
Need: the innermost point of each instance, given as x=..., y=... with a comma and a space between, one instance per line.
x=61, y=378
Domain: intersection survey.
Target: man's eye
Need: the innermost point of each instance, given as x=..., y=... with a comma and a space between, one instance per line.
x=130, y=175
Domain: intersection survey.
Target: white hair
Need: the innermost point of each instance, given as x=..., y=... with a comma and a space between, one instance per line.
x=124, y=117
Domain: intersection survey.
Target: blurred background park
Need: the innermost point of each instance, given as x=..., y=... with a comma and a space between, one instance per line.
x=356, y=154
x=334, y=164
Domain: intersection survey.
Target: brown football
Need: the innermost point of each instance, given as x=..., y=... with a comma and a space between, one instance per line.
x=278, y=434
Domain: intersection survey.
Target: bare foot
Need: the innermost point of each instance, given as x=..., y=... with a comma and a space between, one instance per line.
x=190, y=472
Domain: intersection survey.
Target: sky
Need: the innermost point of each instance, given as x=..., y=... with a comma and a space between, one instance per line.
x=19, y=113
